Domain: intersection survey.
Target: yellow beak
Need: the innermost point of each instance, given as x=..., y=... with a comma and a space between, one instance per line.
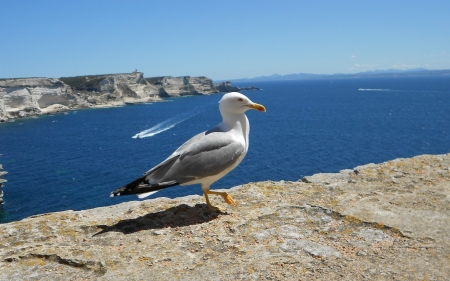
x=258, y=107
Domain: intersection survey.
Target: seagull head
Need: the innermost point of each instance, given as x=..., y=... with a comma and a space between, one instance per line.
x=237, y=103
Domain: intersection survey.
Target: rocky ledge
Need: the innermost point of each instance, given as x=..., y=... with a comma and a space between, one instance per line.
x=389, y=221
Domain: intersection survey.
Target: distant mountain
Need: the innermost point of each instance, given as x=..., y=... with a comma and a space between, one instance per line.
x=366, y=74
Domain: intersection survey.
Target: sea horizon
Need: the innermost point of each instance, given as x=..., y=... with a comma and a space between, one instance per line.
x=72, y=161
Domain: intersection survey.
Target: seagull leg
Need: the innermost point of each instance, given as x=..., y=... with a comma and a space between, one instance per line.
x=208, y=204
x=228, y=199
x=225, y=197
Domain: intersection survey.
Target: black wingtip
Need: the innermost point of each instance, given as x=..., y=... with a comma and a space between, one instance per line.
x=138, y=187
x=125, y=190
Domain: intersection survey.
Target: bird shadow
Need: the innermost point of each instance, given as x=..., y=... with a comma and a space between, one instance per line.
x=182, y=215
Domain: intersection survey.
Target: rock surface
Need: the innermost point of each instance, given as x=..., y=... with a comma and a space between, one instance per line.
x=26, y=97
x=108, y=89
x=169, y=86
x=226, y=87
x=376, y=222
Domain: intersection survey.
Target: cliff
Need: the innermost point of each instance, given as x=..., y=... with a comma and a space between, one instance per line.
x=26, y=97
x=375, y=222
x=113, y=88
x=226, y=87
x=169, y=86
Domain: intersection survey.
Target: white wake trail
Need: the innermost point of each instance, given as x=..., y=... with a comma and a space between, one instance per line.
x=169, y=123
x=377, y=90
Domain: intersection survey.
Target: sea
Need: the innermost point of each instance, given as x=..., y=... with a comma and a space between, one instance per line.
x=73, y=160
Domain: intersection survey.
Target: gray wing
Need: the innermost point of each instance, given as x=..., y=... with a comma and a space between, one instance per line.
x=196, y=138
x=203, y=156
x=155, y=174
x=188, y=143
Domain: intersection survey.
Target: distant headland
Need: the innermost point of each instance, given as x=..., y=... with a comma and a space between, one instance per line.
x=366, y=74
x=28, y=97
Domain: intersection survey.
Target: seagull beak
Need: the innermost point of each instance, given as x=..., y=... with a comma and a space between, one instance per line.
x=257, y=106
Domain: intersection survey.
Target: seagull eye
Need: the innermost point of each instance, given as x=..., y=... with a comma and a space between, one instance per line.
x=240, y=99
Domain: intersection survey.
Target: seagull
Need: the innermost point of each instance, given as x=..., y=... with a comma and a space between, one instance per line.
x=205, y=158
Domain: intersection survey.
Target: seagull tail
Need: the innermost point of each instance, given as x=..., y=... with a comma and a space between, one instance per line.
x=141, y=189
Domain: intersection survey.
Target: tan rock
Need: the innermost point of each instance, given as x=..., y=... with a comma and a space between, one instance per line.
x=375, y=222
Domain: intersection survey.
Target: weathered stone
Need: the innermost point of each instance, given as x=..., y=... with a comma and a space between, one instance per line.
x=26, y=97
x=113, y=86
x=226, y=87
x=366, y=226
x=169, y=86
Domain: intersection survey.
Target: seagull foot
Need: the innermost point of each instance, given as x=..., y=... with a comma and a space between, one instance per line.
x=214, y=208
x=225, y=197
x=228, y=199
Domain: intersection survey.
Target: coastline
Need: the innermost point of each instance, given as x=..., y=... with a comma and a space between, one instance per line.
x=60, y=109
x=29, y=97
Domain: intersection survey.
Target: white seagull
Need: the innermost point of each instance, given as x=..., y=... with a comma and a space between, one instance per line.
x=205, y=158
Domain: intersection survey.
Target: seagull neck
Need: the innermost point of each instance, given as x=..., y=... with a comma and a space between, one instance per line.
x=237, y=122
x=232, y=119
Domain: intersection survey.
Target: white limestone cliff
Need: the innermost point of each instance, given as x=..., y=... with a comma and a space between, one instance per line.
x=182, y=86
x=26, y=97
x=30, y=96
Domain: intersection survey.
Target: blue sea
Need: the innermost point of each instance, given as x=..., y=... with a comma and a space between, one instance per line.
x=73, y=161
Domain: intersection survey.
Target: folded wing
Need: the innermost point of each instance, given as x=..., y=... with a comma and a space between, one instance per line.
x=202, y=156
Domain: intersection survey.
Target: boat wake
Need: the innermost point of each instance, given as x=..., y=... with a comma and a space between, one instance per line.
x=169, y=123
x=377, y=90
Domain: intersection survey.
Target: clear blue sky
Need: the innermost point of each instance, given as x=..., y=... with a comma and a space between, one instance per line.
x=220, y=39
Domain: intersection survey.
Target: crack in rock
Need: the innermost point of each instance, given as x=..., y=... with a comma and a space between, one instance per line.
x=95, y=266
